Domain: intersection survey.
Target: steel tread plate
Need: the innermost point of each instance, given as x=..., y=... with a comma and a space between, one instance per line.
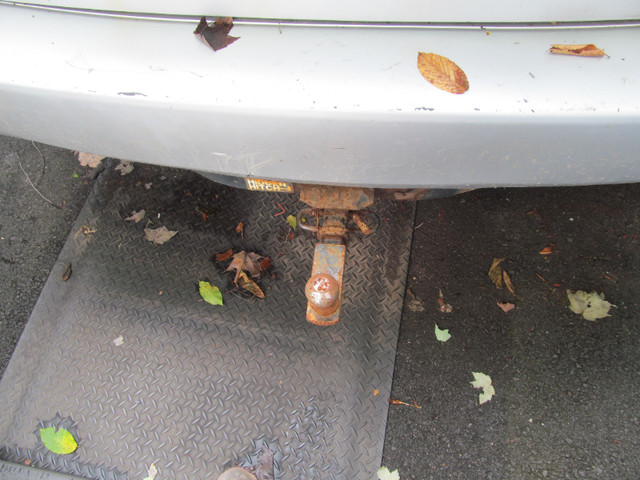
x=195, y=388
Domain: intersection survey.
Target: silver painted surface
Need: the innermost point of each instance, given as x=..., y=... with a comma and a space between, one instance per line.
x=362, y=10
x=326, y=105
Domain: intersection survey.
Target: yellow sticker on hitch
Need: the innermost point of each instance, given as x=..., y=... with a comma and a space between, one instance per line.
x=268, y=185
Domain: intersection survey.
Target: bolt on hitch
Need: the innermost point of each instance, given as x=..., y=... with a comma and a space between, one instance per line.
x=336, y=212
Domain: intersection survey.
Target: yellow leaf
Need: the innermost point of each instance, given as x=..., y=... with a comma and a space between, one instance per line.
x=507, y=282
x=245, y=282
x=585, y=50
x=495, y=272
x=442, y=73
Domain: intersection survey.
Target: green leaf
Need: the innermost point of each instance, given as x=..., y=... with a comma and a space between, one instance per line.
x=210, y=293
x=152, y=471
x=385, y=474
x=484, y=382
x=60, y=442
x=590, y=305
x=442, y=335
x=291, y=220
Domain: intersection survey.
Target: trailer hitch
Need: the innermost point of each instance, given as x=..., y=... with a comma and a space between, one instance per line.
x=335, y=213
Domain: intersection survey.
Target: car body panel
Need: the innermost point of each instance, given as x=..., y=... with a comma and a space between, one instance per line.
x=367, y=11
x=341, y=105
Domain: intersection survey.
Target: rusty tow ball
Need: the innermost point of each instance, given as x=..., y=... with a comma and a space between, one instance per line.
x=335, y=213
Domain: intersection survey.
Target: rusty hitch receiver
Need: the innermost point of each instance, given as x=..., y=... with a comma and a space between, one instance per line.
x=335, y=213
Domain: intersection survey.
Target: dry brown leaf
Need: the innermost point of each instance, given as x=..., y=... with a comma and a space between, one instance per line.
x=506, y=307
x=546, y=251
x=442, y=305
x=245, y=282
x=136, y=216
x=584, y=50
x=67, y=273
x=90, y=160
x=400, y=402
x=217, y=35
x=222, y=256
x=249, y=262
x=240, y=228
x=442, y=73
x=507, y=282
x=125, y=167
x=159, y=235
x=265, y=263
x=495, y=272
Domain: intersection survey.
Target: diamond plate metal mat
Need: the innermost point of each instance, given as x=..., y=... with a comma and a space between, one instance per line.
x=196, y=388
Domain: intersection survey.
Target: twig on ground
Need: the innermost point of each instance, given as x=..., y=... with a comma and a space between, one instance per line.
x=34, y=187
x=44, y=163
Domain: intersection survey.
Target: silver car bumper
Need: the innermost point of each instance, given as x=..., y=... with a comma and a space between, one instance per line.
x=342, y=105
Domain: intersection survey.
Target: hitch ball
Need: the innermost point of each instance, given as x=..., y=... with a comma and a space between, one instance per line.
x=323, y=293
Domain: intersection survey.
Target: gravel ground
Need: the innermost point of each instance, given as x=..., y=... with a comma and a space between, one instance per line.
x=32, y=231
x=567, y=390
x=567, y=401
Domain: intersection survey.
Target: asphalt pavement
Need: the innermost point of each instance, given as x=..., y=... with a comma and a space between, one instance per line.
x=567, y=390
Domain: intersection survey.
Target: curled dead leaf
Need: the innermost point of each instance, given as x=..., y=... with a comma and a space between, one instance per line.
x=495, y=272
x=584, y=50
x=240, y=228
x=249, y=262
x=546, y=251
x=216, y=35
x=442, y=305
x=507, y=282
x=67, y=273
x=245, y=282
x=500, y=277
x=442, y=73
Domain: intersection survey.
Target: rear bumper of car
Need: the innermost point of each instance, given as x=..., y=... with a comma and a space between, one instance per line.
x=331, y=104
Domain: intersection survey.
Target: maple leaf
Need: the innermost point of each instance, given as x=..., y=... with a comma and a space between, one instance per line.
x=159, y=235
x=484, y=382
x=90, y=160
x=442, y=73
x=584, y=50
x=249, y=262
x=136, y=216
x=216, y=35
x=591, y=306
